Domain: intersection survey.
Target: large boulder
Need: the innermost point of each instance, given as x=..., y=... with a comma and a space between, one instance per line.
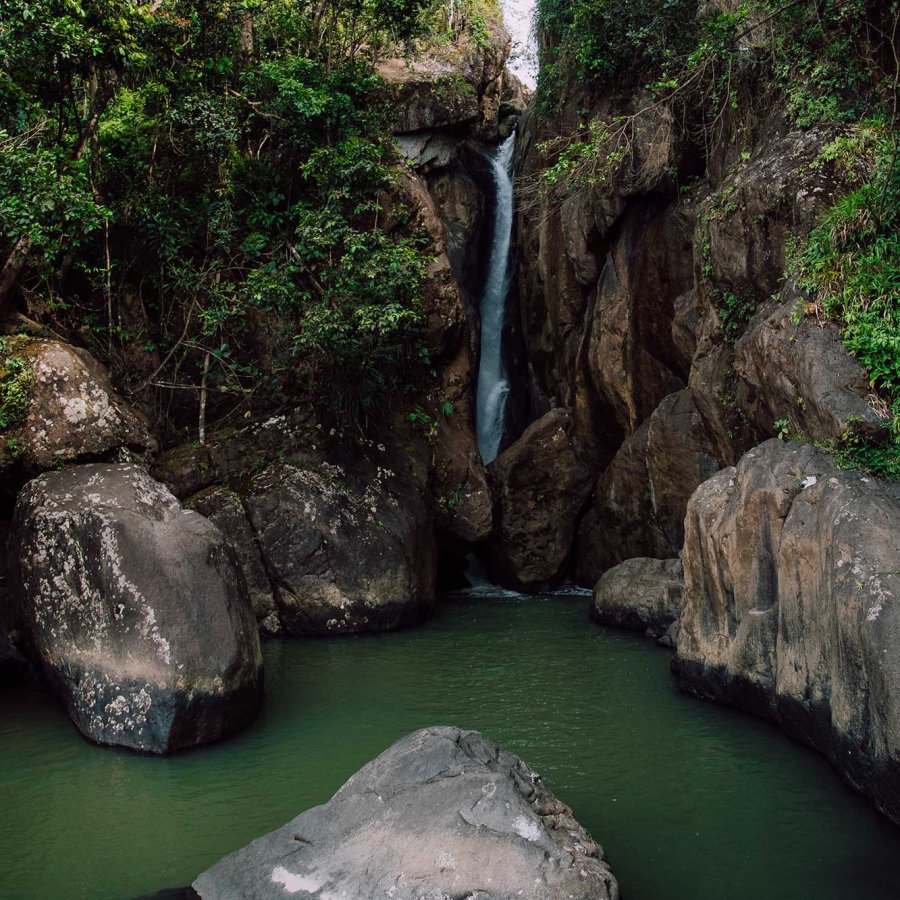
x=639, y=594
x=343, y=555
x=135, y=608
x=802, y=372
x=541, y=485
x=443, y=813
x=792, y=606
x=73, y=411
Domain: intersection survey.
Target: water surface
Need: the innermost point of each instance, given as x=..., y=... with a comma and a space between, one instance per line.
x=690, y=800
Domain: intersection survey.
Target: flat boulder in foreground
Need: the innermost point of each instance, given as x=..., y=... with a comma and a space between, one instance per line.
x=135, y=608
x=443, y=813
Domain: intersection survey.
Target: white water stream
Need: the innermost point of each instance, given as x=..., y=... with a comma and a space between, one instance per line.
x=493, y=384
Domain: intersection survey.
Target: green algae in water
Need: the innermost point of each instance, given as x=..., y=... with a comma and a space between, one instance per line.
x=691, y=801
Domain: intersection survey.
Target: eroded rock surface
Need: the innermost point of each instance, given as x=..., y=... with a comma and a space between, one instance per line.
x=639, y=594
x=792, y=606
x=443, y=813
x=73, y=412
x=135, y=608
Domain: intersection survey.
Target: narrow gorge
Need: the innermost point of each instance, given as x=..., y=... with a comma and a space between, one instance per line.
x=412, y=412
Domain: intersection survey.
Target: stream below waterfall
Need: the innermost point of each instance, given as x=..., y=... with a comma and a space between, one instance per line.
x=691, y=801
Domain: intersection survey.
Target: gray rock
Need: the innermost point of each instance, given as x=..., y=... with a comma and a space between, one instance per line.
x=225, y=509
x=343, y=556
x=802, y=373
x=792, y=606
x=639, y=594
x=135, y=608
x=73, y=412
x=442, y=814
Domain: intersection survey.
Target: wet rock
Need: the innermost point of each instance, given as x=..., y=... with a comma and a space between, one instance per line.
x=792, y=606
x=442, y=813
x=541, y=485
x=135, y=608
x=802, y=373
x=640, y=594
x=73, y=412
x=344, y=555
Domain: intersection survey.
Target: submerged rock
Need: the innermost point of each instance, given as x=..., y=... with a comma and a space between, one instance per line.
x=791, y=606
x=639, y=594
x=73, y=411
x=442, y=813
x=136, y=609
x=343, y=557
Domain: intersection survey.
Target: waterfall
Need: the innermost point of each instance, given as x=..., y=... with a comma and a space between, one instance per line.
x=493, y=384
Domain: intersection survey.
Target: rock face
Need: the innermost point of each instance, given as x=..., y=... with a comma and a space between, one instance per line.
x=541, y=485
x=443, y=813
x=639, y=500
x=792, y=606
x=636, y=299
x=458, y=85
x=342, y=558
x=73, y=413
x=135, y=608
x=639, y=594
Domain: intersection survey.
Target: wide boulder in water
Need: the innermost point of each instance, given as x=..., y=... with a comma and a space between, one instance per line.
x=136, y=609
x=442, y=813
x=790, y=610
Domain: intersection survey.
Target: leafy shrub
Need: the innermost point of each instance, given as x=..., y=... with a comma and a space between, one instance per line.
x=16, y=382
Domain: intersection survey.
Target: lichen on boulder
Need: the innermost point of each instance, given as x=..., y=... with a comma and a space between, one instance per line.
x=442, y=813
x=135, y=608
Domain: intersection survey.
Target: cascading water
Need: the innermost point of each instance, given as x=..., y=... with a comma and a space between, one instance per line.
x=493, y=384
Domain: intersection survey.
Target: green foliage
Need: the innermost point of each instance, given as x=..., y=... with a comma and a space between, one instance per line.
x=783, y=429
x=850, y=263
x=608, y=41
x=854, y=451
x=16, y=382
x=735, y=311
x=850, y=268
x=225, y=160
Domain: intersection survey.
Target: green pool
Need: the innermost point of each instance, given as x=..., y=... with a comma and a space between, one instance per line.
x=691, y=801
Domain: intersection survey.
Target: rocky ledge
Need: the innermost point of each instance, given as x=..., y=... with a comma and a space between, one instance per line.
x=443, y=813
x=640, y=594
x=791, y=606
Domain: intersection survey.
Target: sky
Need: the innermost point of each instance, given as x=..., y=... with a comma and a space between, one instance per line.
x=518, y=15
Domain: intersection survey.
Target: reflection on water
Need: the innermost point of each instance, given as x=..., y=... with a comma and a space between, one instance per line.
x=691, y=801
